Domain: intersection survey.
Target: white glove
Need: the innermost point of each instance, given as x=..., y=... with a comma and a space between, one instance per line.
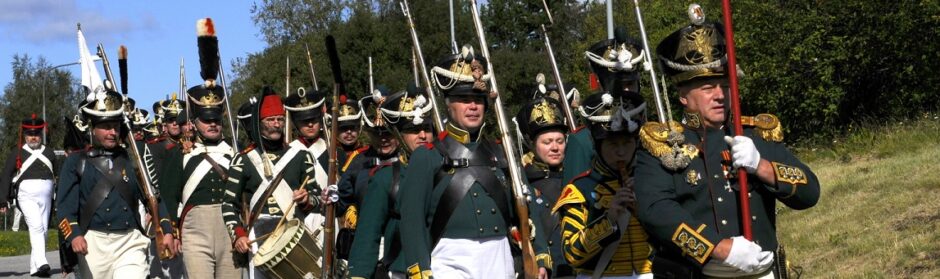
x=743, y=153
x=747, y=256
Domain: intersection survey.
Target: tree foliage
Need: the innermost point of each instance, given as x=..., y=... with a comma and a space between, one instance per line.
x=818, y=65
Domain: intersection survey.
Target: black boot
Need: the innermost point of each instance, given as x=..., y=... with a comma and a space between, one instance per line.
x=43, y=271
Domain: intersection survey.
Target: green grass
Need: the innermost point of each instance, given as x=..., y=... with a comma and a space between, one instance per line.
x=879, y=210
x=17, y=243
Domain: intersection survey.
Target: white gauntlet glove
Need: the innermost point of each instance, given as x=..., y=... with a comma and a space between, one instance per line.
x=743, y=153
x=745, y=258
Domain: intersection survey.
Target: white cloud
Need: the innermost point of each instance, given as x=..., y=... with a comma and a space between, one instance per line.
x=45, y=21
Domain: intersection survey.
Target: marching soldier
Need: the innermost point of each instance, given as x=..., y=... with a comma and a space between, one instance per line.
x=173, y=125
x=350, y=124
x=255, y=168
x=354, y=180
x=687, y=199
x=545, y=130
x=28, y=178
x=458, y=211
x=407, y=114
x=306, y=114
x=193, y=184
x=98, y=198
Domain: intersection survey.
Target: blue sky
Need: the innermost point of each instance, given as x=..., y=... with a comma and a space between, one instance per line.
x=157, y=34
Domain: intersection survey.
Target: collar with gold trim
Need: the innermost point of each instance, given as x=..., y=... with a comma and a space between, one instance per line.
x=461, y=135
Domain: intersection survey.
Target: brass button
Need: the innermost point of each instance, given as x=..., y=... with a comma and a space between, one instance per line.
x=754, y=218
x=724, y=222
x=479, y=212
x=495, y=229
x=493, y=210
x=109, y=224
x=481, y=230
x=125, y=208
x=549, y=243
x=720, y=199
x=107, y=209
x=748, y=195
x=475, y=194
x=716, y=176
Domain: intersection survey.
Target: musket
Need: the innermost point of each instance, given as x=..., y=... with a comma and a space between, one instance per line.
x=414, y=66
x=144, y=181
x=435, y=111
x=515, y=169
x=313, y=77
x=566, y=106
x=736, y=117
x=182, y=88
x=228, y=106
x=371, y=81
x=287, y=130
x=339, y=95
x=660, y=111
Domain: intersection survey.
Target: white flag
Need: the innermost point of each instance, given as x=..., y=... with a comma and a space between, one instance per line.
x=90, y=77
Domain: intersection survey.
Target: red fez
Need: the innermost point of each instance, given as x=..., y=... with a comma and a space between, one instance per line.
x=271, y=106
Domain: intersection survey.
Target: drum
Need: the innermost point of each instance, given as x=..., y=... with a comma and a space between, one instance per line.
x=290, y=252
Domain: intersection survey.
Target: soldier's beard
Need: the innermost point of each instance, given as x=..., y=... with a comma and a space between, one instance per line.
x=33, y=145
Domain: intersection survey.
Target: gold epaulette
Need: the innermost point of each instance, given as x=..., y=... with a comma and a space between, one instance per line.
x=667, y=143
x=766, y=125
x=655, y=137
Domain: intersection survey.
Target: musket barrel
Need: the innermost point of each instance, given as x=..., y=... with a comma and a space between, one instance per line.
x=438, y=123
x=660, y=111
x=566, y=106
x=228, y=107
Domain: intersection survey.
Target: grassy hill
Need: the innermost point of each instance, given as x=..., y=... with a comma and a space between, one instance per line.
x=879, y=211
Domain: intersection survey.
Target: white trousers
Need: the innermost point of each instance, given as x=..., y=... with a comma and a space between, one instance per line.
x=35, y=199
x=119, y=255
x=487, y=257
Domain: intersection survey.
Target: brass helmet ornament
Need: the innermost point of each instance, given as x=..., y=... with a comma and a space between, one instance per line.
x=694, y=51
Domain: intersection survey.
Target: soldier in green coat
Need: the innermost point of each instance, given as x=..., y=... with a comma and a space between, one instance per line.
x=458, y=210
x=687, y=184
x=407, y=114
x=256, y=167
x=193, y=185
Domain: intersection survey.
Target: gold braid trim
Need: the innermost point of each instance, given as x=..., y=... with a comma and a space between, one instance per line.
x=766, y=125
x=654, y=137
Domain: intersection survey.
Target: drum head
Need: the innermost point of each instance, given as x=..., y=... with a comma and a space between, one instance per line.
x=279, y=242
